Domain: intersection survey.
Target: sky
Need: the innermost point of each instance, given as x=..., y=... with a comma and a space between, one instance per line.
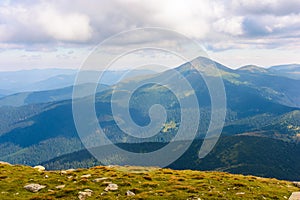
x=61, y=34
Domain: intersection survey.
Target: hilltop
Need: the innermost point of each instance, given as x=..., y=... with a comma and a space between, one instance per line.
x=116, y=182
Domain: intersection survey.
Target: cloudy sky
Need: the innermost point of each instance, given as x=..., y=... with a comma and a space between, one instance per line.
x=54, y=33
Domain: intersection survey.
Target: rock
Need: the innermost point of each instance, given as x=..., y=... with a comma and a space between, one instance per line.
x=5, y=163
x=62, y=172
x=86, y=176
x=295, y=196
x=40, y=168
x=82, y=195
x=297, y=184
x=111, y=187
x=60, y=186
x=129, y=193
x=100, y=179
x=33, y=187
x=70, y=170
x=46, y=176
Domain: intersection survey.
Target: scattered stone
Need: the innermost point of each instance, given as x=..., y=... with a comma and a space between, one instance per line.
x=5, y=163
x=297, y=184
x=129, y=193
x=33, y=187
x=40, y=168
x=103, y=193
x=60, y=186
x=86, y=176
x=295, y=196
x=62, y=172
x=46, y=176
x=240, y=193
x=100, y=179
x=111, y=187
x=82, y=195
x=70, y=170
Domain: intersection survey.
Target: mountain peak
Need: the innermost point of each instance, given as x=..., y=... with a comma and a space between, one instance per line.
x=204, y=64
x=252, y=69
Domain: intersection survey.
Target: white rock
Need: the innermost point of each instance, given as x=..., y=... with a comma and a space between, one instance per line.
x=70, y=170
x=33, y=187
x=100, y=179
x=129, y=193
x=86, y=176
x=111, y=187
x=5, y=163
x=63, y=172
x=40, y=168
x=60, y=186
x=297, y=184
x=86, y=193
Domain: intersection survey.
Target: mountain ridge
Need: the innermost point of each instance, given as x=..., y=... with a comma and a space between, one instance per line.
x=260, y=104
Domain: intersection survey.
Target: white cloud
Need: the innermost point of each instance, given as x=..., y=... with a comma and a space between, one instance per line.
x=89, y=22
x=40, y=25
x=265, y=7
x=63, y=26
x=188, y=17
x=232, y=26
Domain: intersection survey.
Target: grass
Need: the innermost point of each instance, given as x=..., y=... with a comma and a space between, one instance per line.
x=146, y=183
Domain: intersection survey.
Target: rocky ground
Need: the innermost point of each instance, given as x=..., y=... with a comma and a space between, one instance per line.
x=115, y=182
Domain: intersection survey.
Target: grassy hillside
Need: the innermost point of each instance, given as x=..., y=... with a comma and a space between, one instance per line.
x=235, y=154
x=146, y=183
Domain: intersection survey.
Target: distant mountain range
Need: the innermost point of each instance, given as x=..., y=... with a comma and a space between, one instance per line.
x=263, y=110
x=289, y=70
x=26, y=98
x=17, y=81
x=49, y=79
